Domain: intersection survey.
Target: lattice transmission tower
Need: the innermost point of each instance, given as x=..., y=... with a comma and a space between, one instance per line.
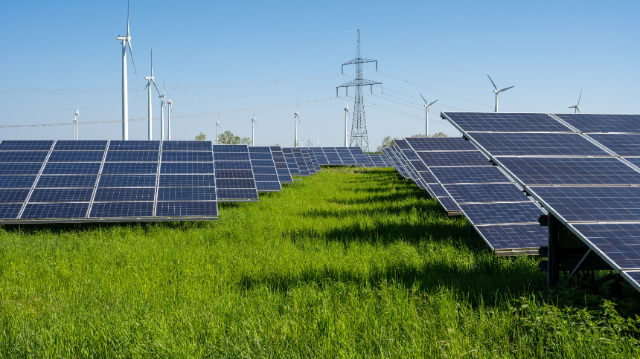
x=359, y=137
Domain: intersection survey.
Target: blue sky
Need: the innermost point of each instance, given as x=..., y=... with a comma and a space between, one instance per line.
x=232, y=57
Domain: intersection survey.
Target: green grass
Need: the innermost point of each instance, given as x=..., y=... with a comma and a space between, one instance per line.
x=347, y=263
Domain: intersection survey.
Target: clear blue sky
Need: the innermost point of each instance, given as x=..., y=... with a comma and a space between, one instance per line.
x=549, y=50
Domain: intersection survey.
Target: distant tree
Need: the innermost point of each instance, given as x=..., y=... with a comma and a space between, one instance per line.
x=277, y=144
x=439, y=134
x=201, y=137
x=309, y=143
x=228, y=138
x=387, y=142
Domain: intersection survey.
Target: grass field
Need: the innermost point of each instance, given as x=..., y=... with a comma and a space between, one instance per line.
x=347, y=263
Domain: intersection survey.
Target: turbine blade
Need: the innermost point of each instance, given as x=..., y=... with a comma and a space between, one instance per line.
x=425, y=101
x=494, y=85
x=128, y=18
x=156, y=86
x=433, y=102
x=132, y=60
x=505, y=89
x=579, y=98
x=578, y=109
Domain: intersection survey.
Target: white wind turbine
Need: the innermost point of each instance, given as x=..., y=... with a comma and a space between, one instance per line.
x=296, y=119
x=426, y=105
x=496, y=91
x=161, y=114
x=125, y=100
x=253, y=137
x=577, y=107
x=75, y=123
x=149, y=81
x=318, y=140
x=218, y=127
x=346, y=133
x=169, y=104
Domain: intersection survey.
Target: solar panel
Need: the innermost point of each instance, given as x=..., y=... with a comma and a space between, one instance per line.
x=232, y=185
x=23, y=156
x=184, y=156
x=466, y=158
x=132, y=156
x=55, y=210
x=621, y=144
x=76, y=156
x=127, y=181
x=486, y=192
x=345, y=156
x=81, y=145
x=505, y=122
x=10, y=211
x=332, y=156
x=17, y=181
x=314, y=161
x=189, y=146
x=20, y=168
x=318, y=152
x=307, y=159
x=603, y=122
x=134, y=145
x=67, y=181
x=126, y=194
x=122, y=209
x=499, y=213
x=13, y=195
x=41, y=195
x=359, y=156
x=301, y=164
x=448, y=204
x=187, y=209
x=8, y=145
x=514, y=237
x=440, y=144
x=537, y=144
x=284, y=176
x=70, y=168
x=468, y=175
x=437, y=190
x=264, y=169
x=187, y=194
x=618, y=242
x=570, y=171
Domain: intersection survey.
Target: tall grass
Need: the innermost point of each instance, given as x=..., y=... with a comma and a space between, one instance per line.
x=347, y=263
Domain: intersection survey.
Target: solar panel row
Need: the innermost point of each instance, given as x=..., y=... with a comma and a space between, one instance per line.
x=264, y=169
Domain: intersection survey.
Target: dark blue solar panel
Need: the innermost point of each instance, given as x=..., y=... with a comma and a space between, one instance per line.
x=471, y=158
x=134, y=146
x=485, y=193
x=591, y=204
x=186, y=209
x=619, y=242
x=187, y=181
x=264, y=170
x=235, y=183
x=268, y=186
x=220, y=156
x=10, y=211
x=448, y=204
x=506, y=122
x=55, y=210
x=514, y=236
x=266, y=178
x=177, y=156
x=186, y=146
x=418, y=166
x=263, y=163
x=81, y=145
x=259, y=149
x=570, y=171
x=497, y=213
x=122, y=209
x=622, y=145
x=67, y=181
x=187, y=194
x=25, y=145
x=20, y=168
x=17, y=181
x=113, y=168
x=230, y=148
x=440, y=144
x=602, y=123
x=633, y=277
x=260, y=156
x=71, y=168
x=635, y=161
x=127, y=181
x=132, y=156
x=234, y=174
x=13, y=195
x=236, y=194
x=479, y=174
x=197, y=167
x=76, y=156
x=230, y=165
x=23, y=156
x=124, y=194
x=537, y=144
x=437, y=190
x=61, y=195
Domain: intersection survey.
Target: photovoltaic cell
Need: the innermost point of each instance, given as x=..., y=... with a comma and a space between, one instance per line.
x=125, y=194
x=55, y=210
x=427, y=177
x=268, y=186
x=20, y=168
x=23, y=156
x=592, y=204
x=17, y=181
x=454, y=158
x=127, y=181
x=186, y=209
x=437, y=190
x=13, y=195
x=230, y=148
x=122, y=209
x=186, y=146
x=25, y=145
x=81, y=145
x=506, y=237
x=235, y=183
x=187, y=194
x=187, y=181
x=61, y=195
x=182, y=156
x=230, y=156
x=506, y=122
x=132, y=156
x=602, y=123
x=498, y=213
x=10, y=211
x=440, y=144
x=236, y=194
x=231, y=165
x=622, y=145
x=448, y=204
x=570, y=171
x=537, y=144
x=231, y=174
x=619, y=242
x=71, y=168
x=134, y=145
x=462, y=175
x=76, y=156
x=67, y=181
x=187, y=168
x=492, y=192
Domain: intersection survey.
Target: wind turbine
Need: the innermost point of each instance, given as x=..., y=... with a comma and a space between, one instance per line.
x=296, y=119
x=253, y=137
x=149, y=81
x=161, y=114
x=318, y=140
x=218, y=127
x=496, y=91
x=125, y=100
x=346, y=136
x=75, y=123
x=169, y=116
x=577, y=107
x=426, y=105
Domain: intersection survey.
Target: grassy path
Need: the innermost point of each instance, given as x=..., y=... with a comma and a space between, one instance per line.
x=347, y=263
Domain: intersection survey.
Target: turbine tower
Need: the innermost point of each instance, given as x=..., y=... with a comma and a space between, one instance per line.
x=149, y=81
x=218, y=127
x=161, y=114
x=253, y=137
x=169, y=104
x=426, y=105
x=496, y=91
x=125, y=100
x=296, y=119
x=346, y=131
x=359, y=137
x=75, y=123
x=577, y=107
